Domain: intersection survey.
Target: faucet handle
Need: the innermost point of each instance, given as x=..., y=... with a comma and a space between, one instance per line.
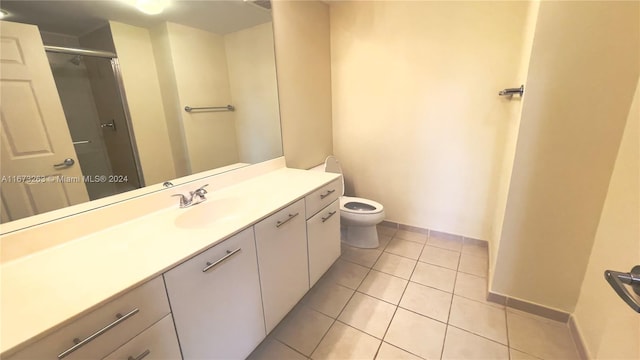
x=200, y=192
x=184, y=202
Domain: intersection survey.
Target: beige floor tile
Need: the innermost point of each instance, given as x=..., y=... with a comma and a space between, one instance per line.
x=519, y=355
x=416, y=334
x=460, y=344
x=272, y=349
x=445, y=241
x=383, y=286
x=345, y=342
x=408, y=249
x=328, y=298
x=386, y=230
x=427, y=301
x=411, y=236
x=383, y=241
x=346, y=273
x=473, y=287
x=302, y=329
x=390, y=352
x=368, y=314
x=482, y=319
x=364, y=257
x=441, y=257
x=474, y=265
x=475, y=248
x=434, y=276
x=399, y=266
x=543, y=338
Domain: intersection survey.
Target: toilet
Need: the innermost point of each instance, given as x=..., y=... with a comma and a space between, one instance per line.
x=358, y=216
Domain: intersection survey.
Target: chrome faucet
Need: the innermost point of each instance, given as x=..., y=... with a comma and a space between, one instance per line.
x=188, y=201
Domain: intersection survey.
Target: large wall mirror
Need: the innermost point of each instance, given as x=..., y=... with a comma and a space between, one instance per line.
x=103, y=98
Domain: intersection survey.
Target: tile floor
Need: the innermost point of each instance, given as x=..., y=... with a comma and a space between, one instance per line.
x=415, y=297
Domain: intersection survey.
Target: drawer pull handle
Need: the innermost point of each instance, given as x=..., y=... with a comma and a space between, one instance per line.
x=91, y=337
x=212, y=265
x=331, y=213
x=141, y=356
x=291, y=216
x=329, y=192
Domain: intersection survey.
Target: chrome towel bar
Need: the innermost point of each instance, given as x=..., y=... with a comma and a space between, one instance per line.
x=512, y=91
x=212, y=108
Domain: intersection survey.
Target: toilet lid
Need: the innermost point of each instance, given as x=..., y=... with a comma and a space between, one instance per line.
x=332, y=165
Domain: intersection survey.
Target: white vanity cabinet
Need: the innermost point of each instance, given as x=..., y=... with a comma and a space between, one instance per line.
x=282, y=259
x=100, y=332
x=158, y=342
x=323, y=236
x=215, y=300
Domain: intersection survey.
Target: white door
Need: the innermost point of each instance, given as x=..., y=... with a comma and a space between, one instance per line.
x=34, y=135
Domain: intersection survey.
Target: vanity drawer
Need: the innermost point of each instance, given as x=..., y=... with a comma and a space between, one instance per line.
x=157, y=342
x=322, y=197
x=101, y=331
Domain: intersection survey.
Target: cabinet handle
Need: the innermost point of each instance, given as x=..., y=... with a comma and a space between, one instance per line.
x=329, y=192
x=141, y=356
x=331, y=213
x=79, y=344
x=212, y=265
x=291, y=216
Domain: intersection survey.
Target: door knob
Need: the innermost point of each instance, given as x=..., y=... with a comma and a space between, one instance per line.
x=66, y=163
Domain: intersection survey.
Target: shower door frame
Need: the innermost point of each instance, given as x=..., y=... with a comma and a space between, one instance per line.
x=115, y=67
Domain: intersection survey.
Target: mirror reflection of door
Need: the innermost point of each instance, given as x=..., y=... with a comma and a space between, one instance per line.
x=35, y=137
x=92, y=104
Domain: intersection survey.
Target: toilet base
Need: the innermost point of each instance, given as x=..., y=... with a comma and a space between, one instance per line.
x=365, y=237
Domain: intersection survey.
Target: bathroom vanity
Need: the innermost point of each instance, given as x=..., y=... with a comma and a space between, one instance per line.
x=207, y=281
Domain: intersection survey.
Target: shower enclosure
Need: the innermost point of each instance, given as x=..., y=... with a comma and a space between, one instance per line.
x=88, y=83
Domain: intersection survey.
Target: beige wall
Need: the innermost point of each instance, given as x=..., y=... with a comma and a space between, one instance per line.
x=202, y=79
x=254, y=90
x=582, y=75
x=513, y=126
x=139, y=75
x=169, y=90
x=301, y=32
x=611, y=329
x=417, y=122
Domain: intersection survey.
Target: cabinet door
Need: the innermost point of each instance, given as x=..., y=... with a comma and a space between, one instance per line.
x=156, y=343
x=215, y=300
x=323, y=235
x=282, y=258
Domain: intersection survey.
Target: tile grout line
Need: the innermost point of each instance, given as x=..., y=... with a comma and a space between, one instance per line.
x=395, y=311
x=305, y=356
x=446, y=328
x=347, y=302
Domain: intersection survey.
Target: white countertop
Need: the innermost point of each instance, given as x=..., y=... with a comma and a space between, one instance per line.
x=43, y=290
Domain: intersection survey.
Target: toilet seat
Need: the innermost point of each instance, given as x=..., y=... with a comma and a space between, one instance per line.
x=362, y=209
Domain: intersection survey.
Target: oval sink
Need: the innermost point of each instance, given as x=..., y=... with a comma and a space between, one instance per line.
x=209, y=212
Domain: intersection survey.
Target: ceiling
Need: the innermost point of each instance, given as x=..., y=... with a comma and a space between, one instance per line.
x=78, y=17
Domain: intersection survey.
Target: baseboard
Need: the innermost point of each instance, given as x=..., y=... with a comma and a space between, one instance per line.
x=389, y=224
x=583, y=352
x=413, y=229
x=440, y=234
x=529, y=307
